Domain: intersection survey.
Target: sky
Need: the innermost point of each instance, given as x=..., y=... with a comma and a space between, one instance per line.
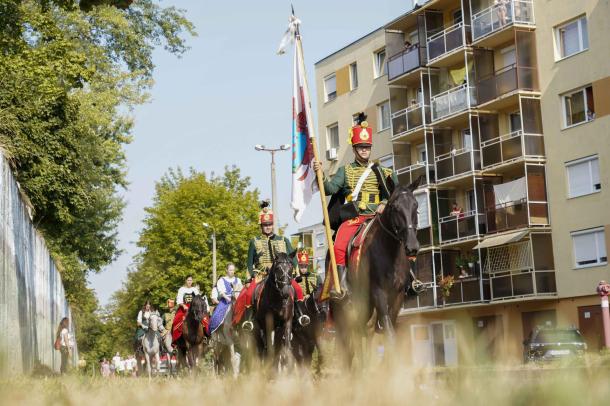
x=229, y=92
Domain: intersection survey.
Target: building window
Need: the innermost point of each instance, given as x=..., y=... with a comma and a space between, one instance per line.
x=422, y=157
x=320, y=240
x=583, y=176
x=578, y=106
x=353, y=76
x=387, y=161
x=589, y=248
x=383, y=110
x=571, y=38
x=330, y=88
x=332, y=136
x=380, y=65
x=423, y=218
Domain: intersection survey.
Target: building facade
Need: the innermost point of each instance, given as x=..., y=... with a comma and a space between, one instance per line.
x=503, y=111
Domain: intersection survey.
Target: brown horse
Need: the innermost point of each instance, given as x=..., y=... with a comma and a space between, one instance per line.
x=379, y=279
x=194, y=333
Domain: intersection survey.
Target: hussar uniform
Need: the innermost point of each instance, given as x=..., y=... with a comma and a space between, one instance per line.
x=306, y=279
x=261, y=253
x=360, y=185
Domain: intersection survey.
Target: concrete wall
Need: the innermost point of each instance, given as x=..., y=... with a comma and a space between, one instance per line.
x=371, y=91
x=563, y=145
x=32, y=298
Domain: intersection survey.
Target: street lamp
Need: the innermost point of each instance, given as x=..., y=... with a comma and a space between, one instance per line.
x=283, y=147
x=206, y=225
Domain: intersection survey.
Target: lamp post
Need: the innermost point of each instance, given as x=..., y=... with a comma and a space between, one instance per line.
x=206, y=225
x=283, y=147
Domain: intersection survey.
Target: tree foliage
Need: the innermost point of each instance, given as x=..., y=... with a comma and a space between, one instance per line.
x=175, y=243
x=70, y=73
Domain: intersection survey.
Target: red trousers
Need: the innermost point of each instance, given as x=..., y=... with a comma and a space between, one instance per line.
x=244, y=300
x=344, y=234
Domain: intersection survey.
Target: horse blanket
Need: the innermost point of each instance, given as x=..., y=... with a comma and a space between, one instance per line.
x=221, y=309
x=179, y=320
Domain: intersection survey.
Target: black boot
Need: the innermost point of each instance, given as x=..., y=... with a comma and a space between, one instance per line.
x=247, y=324
x=300, y=311
x=342, y=274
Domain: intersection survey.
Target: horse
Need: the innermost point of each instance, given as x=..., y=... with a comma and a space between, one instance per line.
x=223, y=343
x=151, y=345
x=306, y=339
x=379, y=278
x=193, y=333
x=275, y=311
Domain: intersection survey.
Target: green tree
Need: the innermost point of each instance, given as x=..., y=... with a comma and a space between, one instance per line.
x=70, y=73
x=174, y=243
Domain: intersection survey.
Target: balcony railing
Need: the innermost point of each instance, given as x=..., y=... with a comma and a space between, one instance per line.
x=455, y=163
x=507, y=216
x=405, y=61
x=512, y=146
x=452, y=101
x=506, y=80
x=447, y=40
x=412, y=172
x=459, y=227
x=409, y=119
x=498, y=16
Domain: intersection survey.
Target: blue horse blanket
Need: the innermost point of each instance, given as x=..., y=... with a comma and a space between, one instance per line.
x=221, y=309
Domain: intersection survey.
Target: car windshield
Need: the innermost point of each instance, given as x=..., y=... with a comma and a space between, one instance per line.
x=558, y=336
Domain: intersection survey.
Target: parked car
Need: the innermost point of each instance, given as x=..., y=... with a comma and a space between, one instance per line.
x=546, y=344
x=168, y=364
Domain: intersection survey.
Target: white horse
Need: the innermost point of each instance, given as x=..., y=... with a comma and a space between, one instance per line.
x=150, y=343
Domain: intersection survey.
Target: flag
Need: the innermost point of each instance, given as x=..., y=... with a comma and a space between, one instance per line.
x=303, y=176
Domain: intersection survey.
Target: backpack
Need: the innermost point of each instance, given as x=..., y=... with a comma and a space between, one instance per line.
x=57, y=344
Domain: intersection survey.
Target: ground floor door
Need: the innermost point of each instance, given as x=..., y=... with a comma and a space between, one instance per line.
x=488, y=336
x=434, y=344
x=542, y=318
x=591, y=326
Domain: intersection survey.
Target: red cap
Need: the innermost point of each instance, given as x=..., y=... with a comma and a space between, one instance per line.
x=361, y=134
x=303, y=258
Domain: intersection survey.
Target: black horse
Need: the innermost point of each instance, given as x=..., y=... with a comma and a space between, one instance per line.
x=379, y=280
x=306, y=339
x=275, y=311
x=194, y=335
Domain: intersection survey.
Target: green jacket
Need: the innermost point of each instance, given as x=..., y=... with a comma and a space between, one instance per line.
x=346, y=178
x=259, y=256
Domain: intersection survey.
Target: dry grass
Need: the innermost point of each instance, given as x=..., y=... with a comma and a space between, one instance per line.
x=381, y=383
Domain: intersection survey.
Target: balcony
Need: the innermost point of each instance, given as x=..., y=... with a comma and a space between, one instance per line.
x=455, y=228
x=406, y=61
x=455, y=163
x=452, y=101
x=409, y=119
x=521, y=269
x=409, y=174
x=447, y=41
x=511, y=147
x=506, y=80
x=499, y=16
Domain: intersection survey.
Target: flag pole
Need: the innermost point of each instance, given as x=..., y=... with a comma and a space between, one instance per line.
x=319, y=174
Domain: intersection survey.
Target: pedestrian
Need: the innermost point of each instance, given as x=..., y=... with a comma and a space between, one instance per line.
x=128, y=366
x=105, y=368
x=65, y=343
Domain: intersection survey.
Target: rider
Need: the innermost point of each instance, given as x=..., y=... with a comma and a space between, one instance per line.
x=183, y=299
x=143, y=319
x=168, y=316
x=260, y=259
x=306, y=279
x=362, y=184
x=226, y=286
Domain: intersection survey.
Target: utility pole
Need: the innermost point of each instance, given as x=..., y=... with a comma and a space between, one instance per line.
x=283, y=147
x=206, y=225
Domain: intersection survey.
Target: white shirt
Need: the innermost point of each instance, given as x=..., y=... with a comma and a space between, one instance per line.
x=222, y=289
x=66, y=340
x=180, y=297
x=143, y=315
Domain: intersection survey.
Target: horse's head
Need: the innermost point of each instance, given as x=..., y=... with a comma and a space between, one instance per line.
x=400, y=215
x=281, y=271
x=199, y=307
x=153, y=322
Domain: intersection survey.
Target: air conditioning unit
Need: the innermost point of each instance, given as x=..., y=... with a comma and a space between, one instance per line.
x=331, y=154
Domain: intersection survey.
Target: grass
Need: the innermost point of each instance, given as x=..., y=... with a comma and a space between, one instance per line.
x=382, y=383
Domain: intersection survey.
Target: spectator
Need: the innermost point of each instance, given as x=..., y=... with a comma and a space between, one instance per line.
x=65, y=343
x=105, y=368
x=457, y=210
x=129, y=366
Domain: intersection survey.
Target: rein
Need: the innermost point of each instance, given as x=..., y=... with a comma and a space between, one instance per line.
x=285, y=273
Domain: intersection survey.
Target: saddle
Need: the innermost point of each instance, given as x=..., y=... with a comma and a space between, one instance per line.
x=355, y=243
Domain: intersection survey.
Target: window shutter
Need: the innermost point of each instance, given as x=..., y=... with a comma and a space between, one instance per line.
x=579, y=180
x=423, y=219
x=584, y=248
x=601, y=97
x=601, y=246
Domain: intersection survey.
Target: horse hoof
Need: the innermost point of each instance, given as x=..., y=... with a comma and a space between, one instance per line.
x=247, y=325
x=304, y=320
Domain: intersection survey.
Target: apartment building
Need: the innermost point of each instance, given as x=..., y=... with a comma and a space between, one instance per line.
x=313, y=239
x=502, y=108
x=350, y=81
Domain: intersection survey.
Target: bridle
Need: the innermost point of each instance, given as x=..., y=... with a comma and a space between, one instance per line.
x=285, y=274
x=394, y=232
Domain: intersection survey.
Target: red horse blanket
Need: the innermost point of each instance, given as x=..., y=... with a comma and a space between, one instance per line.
x=179, y=321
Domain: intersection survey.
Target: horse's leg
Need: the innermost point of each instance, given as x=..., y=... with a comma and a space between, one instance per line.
x=380, y=302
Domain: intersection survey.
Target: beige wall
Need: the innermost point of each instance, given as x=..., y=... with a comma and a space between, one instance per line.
x=370, y=92
x=562, y=145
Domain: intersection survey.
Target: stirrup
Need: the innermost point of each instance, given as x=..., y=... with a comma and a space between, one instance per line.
x=247, y=325
x=304, y=320
x=334, y=295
